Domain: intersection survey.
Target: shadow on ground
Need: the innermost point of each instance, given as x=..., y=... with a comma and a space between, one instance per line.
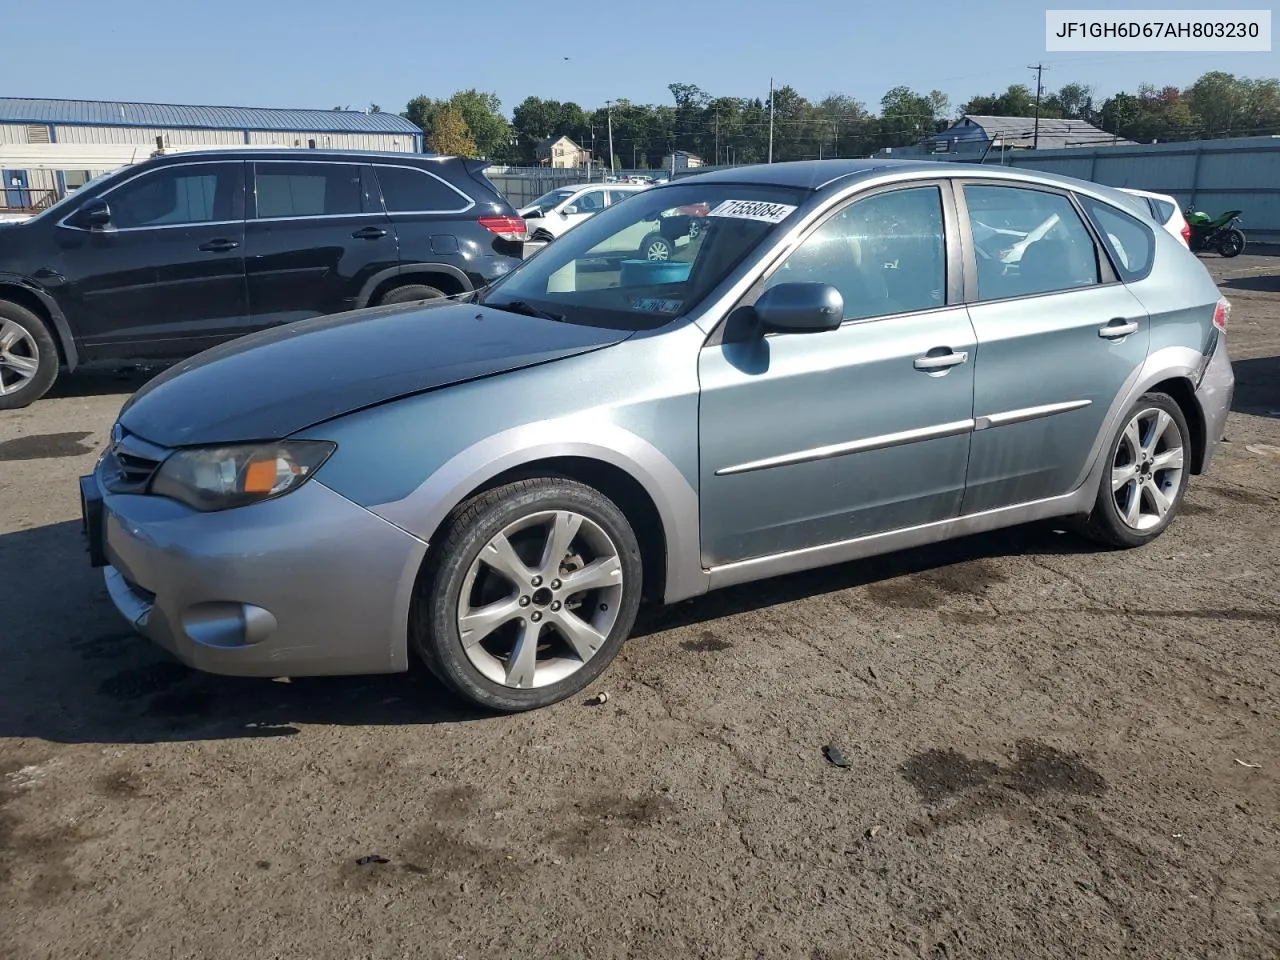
x=71, y=671
x=1261, y=283
x=1257, y=387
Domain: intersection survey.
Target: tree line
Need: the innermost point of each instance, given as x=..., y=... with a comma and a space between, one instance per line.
x=736, y=129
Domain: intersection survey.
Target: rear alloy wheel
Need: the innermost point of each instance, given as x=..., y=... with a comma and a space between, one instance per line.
x=410, y=293
x=656, y=247
x=534, y=589
x=1147, y=480
x=28, y=357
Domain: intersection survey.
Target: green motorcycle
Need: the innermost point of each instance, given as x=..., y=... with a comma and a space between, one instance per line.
x=1221, y=233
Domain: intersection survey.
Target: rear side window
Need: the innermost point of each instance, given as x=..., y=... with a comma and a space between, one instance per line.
x=1162, y=209
x=1028, y=242
x=1130, y=242
x=407, y=190
x=308, y=190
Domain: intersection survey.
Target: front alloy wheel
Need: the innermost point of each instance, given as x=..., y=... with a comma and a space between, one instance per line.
x=540, y=600
x=529, y=592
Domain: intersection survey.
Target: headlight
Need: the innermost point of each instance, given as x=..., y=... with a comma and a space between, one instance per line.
x=218, y=478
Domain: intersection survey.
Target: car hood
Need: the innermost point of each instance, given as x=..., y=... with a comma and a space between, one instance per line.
x=271, y=384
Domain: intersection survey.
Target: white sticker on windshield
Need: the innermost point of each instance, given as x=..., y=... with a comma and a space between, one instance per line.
x=753, y=210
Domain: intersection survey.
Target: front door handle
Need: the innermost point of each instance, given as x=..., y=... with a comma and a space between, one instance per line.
x=218, y=246
x=1118, y=328
x=369, y=233
x=932, y=364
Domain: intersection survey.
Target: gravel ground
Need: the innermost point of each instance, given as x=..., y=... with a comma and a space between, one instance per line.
x=1050, y=751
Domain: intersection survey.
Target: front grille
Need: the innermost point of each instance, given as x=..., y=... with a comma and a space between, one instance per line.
x=130, y=464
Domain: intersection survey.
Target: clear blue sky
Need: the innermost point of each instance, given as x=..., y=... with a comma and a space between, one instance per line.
x=323, y=53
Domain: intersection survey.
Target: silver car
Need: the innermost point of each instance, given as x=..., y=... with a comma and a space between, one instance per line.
x=844, y=361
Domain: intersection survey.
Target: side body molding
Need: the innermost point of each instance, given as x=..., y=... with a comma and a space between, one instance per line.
x=590, y=437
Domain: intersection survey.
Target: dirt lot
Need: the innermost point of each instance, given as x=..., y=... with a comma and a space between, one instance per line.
x=1052, y=752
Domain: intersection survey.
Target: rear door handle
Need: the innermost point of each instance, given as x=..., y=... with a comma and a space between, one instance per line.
x=369, y=233
x=942, y=362
x=1118, y=328
x=219, y=246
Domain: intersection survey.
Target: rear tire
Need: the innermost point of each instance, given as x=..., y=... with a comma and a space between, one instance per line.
x=1148, y=465
x=410, y=293
x=28, y=357
x=502, y=571
x=1232, y=244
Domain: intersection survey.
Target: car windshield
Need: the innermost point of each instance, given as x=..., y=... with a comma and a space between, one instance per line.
x=638, y=265
x=549, y=200
x=71, y=195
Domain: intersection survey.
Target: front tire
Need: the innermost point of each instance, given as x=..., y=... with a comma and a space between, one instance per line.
x=28, y=357
x=531, y=590
x=1149, y=465
x=1231, y=244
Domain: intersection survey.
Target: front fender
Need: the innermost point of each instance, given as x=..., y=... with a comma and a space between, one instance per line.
x=422, y=511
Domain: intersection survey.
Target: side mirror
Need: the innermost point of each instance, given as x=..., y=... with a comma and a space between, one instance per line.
x=94, y=215
x=800, y=308
x=568, y=211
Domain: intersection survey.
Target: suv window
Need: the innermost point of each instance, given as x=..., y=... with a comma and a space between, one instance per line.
x=1028, y=242
x=886, y=254
x=408, y=190
x=191, y=193
x=590, y=202
x=307, y=189
x=1131, y=243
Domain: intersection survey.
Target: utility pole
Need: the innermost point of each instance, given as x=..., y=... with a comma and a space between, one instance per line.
x=717, y=159
x=609, y=105
x=771, y=119
x=1039, y=68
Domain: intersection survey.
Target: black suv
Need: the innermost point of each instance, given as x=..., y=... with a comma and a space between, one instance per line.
x=166, y=258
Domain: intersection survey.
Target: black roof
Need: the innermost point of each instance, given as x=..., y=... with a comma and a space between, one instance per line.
x=298, y=153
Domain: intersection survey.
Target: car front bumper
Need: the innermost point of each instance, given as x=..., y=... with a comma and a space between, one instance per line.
x=307, y=584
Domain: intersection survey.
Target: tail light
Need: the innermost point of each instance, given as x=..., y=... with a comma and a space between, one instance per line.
x=1221, y=314
x=508, y=228
x=1186, y=233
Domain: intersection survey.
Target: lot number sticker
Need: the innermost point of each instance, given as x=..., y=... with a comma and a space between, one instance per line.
x=753, y=210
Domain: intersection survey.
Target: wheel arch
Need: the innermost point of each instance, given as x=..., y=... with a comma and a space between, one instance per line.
x=449, y=280
x=655, y=496
x=44, y=307
x=1171, y=370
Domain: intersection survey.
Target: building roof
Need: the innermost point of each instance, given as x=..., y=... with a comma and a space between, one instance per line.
x=1054, y=134
x=110, y=113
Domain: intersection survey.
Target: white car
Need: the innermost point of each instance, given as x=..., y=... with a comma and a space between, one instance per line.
x=1166, y=212
x=554, y=214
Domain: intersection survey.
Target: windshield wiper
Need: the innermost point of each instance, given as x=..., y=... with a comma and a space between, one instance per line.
x=526, y=308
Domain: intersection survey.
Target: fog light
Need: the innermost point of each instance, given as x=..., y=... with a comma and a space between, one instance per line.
x=225, y=624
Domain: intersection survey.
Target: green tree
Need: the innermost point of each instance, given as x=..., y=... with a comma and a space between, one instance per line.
x=483, y=115
x=1219, y=99
x=422, y=111
x=449, y=134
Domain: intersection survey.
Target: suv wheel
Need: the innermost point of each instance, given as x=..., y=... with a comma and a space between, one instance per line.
x=410, y=293
x=28, y=357
x=1149, y=466
x=533, y=588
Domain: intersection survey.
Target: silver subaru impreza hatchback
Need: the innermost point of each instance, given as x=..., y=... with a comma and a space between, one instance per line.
x=824, y=361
